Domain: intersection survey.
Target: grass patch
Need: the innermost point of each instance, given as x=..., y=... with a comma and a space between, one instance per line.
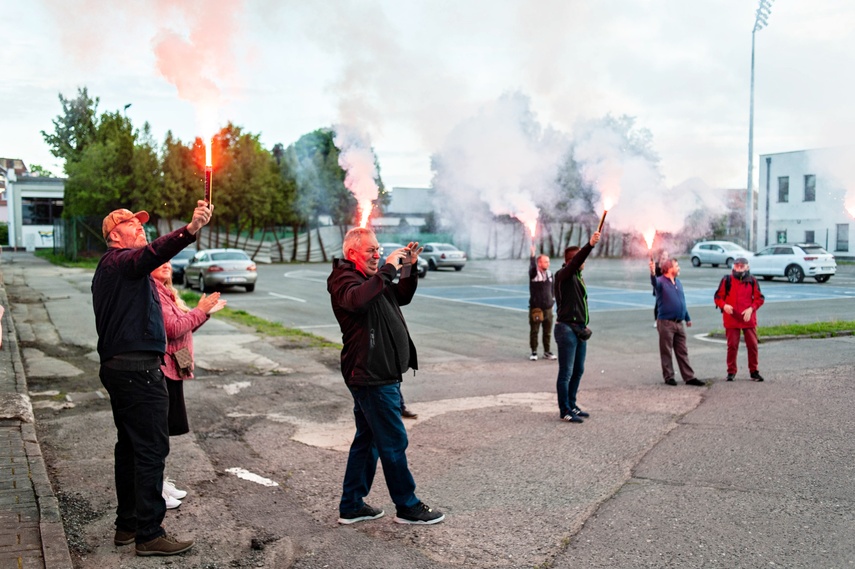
x=63, y=261
x=262, y=326
x=831, y=328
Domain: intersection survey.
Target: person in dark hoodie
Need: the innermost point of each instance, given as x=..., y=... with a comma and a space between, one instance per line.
x=131, y=345
x=377, y=350
x=571, y=329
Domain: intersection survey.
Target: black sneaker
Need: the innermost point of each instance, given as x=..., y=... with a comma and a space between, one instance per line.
x=419, y=514
x=755, y=376
x=671, y=381
x=731, y=376
x=364, y=513
x=407, y=414
x=572, y=417
x=696, y=382
x=581, y=413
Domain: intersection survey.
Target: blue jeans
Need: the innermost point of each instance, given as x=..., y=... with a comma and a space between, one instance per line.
x=140, y=409
x=571, y=366
x=380, y=433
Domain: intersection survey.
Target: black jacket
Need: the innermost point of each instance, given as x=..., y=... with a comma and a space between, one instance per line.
x=539, y=287
x=128, y=316
x=571, y=295
x=377, y=348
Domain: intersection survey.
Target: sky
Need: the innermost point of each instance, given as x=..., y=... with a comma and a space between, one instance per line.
x=408, y=73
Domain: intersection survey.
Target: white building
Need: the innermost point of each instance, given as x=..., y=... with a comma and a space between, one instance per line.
x=802, y=197
x=34, y=202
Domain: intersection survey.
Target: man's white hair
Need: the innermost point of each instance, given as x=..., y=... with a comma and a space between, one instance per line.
x=353, y=239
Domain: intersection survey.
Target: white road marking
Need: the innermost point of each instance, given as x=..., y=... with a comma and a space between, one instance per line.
x=307, y=276
x=247, y=475
x=706, y=338
x=277, y=295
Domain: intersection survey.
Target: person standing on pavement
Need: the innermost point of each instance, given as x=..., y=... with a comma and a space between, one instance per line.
x=131, y=345
x=571, y=329
x=663, y=256
x=180, y=322
x=540, y=302
x=738, y=297
x=672, y=313
x=377, y=350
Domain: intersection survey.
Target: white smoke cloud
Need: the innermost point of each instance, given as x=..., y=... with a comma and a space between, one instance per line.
x=357, y=160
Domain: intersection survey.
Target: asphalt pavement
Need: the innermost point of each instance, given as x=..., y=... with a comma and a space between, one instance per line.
x=735, y=474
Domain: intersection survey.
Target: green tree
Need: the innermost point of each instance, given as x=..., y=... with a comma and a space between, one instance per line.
x=75, y=128
x=39, y=170
x=182, y=182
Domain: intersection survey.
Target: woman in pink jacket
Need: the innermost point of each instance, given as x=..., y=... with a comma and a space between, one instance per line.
x=180, y=322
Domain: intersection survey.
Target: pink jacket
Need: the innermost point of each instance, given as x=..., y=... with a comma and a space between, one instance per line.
x=179, y=326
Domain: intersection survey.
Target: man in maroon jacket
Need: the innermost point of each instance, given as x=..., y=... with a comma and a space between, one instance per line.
x=738, y=296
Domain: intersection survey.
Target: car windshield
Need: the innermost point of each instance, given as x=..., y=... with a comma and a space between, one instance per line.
x=229, y=256
x=446, y=248
x=731, y=247
x=184, y=254
x=814, y=250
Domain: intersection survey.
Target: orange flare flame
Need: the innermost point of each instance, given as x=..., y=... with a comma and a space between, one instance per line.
x=365, y=207
x=649, y=235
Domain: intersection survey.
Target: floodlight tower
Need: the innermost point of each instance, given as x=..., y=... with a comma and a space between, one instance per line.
x=761, y=20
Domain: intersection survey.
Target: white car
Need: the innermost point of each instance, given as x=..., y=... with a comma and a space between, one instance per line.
x=717, y=253
x=422, y=264
x=794, y=261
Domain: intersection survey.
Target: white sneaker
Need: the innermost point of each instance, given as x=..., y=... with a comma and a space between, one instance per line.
x=533, y=356
x=171, y=503
x=169, y=489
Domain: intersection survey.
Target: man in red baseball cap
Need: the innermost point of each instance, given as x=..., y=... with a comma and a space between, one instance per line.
x=131, y=345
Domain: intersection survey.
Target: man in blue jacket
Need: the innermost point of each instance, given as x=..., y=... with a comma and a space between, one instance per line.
x=131, y=345
x=669, y=322
x=376, y=352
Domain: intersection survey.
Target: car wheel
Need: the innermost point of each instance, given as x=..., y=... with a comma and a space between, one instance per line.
x=458, y=268
x=767, y=278
x=432, y=265
x=250, y=287
x=822, y=278
x=729, y=263
x=202, y=288
x=715, y=264
x=696, y=262
x=422, y=273
x=795, y=274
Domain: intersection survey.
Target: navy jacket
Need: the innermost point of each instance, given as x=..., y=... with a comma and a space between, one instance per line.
x=670, y=297
x=128, y=316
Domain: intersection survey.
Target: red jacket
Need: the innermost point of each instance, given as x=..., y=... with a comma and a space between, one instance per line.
x=179, y=326
x=742, y=294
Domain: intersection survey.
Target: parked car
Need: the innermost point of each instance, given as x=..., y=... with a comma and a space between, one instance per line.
x=717, y=253
x=440, y=255
x=179, y=262
x=214, y=268
x=794, y=261
x=422, y=264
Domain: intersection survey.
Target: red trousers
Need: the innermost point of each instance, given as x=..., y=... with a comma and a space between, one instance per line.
x=733, y=347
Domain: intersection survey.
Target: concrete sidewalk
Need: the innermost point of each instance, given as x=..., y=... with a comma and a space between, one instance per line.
x=31, y=532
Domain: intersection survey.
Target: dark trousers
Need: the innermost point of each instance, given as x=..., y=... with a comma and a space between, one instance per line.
x=140, y=411
x=547, y=330
x=751, y=342
x=380, y=433
x=672, y=338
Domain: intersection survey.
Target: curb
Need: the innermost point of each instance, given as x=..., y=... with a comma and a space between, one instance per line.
x=53, y=541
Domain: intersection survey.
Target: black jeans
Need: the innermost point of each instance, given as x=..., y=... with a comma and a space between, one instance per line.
x=140, y=405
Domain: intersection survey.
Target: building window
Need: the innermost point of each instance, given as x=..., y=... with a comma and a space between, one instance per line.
x=842, y=237
x=784, y=189
x=781, y=236
x=810, y=188
x=810, y=237
x=40, y=211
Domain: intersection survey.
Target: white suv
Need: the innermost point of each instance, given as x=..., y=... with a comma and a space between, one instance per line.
x=794, y=261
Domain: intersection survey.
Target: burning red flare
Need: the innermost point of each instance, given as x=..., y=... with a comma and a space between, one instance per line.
x=649, y=235
x=365, y=207
x=209, y=173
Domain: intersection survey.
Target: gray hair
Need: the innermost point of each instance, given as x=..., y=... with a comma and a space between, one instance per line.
x=353, y=239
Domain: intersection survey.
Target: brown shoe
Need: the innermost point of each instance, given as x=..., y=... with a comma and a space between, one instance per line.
x=163, y=545
x=124, y=537
x=407, y=414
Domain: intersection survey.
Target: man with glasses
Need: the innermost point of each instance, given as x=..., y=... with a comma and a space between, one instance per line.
x=376, y=352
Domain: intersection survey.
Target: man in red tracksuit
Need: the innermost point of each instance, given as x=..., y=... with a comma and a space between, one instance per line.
x=738, y=297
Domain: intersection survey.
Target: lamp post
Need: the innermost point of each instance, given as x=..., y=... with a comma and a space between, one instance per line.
x=764, y=9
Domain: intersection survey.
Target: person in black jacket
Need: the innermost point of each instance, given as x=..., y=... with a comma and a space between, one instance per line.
x=131, y=344
x=540, y=302
x=377, y=350
x=571, y=328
